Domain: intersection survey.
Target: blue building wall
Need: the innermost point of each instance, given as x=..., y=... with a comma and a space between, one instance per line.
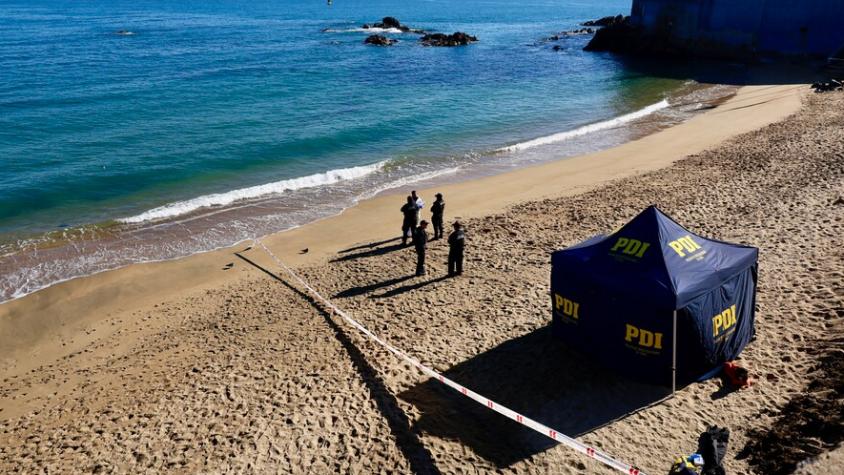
x=793, y=27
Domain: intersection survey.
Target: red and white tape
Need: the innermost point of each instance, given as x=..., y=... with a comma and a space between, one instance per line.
x=489, y=403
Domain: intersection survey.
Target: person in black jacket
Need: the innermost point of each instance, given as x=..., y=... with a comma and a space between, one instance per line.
x=437, y=210
x=420, y=241
x=456, y=243
x=411, y=215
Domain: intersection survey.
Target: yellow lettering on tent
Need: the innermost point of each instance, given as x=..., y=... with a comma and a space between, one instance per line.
x=632, y=332
x=630, y=247
x=620, y=243
x=643, y=338
x=566, y=307
x=724, y=321
x=658, y=341
x=684, y=245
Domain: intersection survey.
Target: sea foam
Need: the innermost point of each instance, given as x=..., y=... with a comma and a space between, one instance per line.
x=222, y=199
x=587, y=129
x=371, y=29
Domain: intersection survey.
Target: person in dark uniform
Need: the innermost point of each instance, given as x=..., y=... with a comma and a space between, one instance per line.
x=437, y=210
x=411, y=216
x=420, y=241
x=456, y=243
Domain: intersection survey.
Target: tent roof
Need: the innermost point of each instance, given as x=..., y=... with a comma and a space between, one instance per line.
x=654, y=259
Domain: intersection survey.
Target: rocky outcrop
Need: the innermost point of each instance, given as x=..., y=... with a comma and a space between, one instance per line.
x=617, y=35
x=566, y=34
x=379, y=40
x=391, y=23
x=455, y=39
x=620, y=35
x=606, y=21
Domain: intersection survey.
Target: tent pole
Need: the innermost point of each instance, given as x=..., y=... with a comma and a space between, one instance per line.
x=674, y=355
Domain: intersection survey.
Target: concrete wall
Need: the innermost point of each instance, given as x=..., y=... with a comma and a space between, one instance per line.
x=793, y=27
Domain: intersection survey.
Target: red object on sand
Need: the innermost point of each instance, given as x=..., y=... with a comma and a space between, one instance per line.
x=737, y=376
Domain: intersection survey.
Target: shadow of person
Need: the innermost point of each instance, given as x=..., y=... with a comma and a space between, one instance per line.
x=408, y=288
x=368, y=246
x=365, y=289
x=370, y=253
x=536, y=376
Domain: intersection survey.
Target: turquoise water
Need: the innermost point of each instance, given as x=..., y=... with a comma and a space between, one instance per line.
x=146, y=130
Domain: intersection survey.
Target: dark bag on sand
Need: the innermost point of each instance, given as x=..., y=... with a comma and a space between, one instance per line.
x=712, y=445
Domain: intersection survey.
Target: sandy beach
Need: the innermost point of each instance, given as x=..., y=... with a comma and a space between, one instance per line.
x=200, y=366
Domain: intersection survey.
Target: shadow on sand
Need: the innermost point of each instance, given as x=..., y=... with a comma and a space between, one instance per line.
x=406, y=438
x=371, y=252
x=365, y=289
x=409, y=287
x=534, y=375
x=369, y=246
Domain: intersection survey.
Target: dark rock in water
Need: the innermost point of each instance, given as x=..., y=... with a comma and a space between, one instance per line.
x=566, y=34
x=557, y=48
x=606, y=21
x=455, y=39
x=389, y=22
x=379, y=40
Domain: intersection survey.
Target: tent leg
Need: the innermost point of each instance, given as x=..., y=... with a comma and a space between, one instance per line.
x=674, y=355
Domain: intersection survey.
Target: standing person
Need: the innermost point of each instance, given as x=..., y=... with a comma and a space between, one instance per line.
x=420, y=241
x=420, y=203
x=411, y=216
x=437, y=210
x=456, y=243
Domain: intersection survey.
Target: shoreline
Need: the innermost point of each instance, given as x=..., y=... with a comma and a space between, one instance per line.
x=210, y=222
x=45, y=324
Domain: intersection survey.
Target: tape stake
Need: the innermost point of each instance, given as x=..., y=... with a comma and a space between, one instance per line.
x=503, y=410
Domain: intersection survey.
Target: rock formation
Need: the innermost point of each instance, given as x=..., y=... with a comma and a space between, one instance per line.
x=455, y=39
x=379, y=40
x=389, y=22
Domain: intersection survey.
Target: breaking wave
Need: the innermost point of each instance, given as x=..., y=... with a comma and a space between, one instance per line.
x=222, y=199
x=363, y=30
x=587, y=129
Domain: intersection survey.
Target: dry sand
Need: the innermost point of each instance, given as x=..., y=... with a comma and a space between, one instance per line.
x=183, y=366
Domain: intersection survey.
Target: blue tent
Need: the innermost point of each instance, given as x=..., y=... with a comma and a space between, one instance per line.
x=654, y=300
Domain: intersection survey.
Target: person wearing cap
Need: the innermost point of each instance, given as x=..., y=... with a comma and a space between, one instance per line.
x=437, y=210
x=456, y=243
x=420, y=242
x=411, y=217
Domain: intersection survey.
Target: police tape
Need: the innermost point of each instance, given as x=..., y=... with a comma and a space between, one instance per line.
x=489, y=403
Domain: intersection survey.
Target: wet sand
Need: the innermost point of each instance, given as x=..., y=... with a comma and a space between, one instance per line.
x=184, y=366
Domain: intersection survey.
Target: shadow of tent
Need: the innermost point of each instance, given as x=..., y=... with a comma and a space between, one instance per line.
x=537, y=377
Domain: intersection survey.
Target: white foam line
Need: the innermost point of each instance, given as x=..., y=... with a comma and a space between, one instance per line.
x=364, y=30
x=587, y=129
x=221, y=199
x=408, y=180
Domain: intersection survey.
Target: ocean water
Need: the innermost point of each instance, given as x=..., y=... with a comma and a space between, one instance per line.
x=142, y=130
